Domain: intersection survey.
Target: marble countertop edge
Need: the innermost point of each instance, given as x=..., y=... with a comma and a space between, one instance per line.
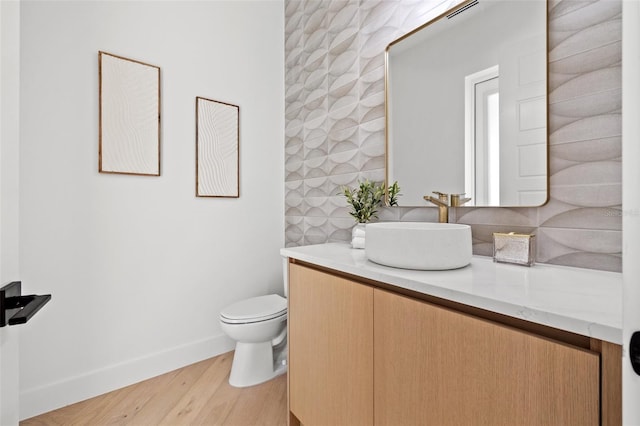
x=582, y=301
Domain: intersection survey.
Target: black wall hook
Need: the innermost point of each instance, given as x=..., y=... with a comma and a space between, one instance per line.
x=16, y=308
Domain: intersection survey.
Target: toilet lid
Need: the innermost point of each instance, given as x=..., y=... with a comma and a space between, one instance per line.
x=255, y=309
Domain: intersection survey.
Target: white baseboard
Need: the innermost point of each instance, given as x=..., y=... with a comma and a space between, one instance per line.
x=75, y=389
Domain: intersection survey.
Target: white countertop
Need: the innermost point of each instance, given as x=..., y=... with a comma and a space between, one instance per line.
x=582, y=301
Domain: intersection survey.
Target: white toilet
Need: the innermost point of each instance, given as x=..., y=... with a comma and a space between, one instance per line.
x=259, y=325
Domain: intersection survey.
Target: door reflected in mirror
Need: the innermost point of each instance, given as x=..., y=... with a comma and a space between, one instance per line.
x=466, y=105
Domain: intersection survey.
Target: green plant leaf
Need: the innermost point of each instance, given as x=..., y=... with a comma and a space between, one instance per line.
x=364, y=200
x=394, y=192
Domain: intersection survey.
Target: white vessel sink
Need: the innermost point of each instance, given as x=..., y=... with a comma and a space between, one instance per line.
x=419, y=245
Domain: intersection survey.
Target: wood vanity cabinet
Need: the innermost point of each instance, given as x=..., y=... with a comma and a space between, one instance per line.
x=330, y=349
x=436, y=366
x=363, y=355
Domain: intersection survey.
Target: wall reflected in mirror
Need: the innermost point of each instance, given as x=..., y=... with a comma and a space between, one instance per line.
x=466, y=105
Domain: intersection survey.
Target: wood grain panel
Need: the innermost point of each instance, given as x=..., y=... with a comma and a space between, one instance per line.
x=330, y=349
x=611, y=381
x=436, y=366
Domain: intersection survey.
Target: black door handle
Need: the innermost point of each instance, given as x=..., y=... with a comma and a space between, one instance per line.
x=16, y=308
x=634, y=352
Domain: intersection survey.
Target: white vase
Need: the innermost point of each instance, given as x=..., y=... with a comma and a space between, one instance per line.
x=357, y=236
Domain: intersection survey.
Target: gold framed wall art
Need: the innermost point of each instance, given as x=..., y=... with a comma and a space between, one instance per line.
x=129, y=116
x=217, y=149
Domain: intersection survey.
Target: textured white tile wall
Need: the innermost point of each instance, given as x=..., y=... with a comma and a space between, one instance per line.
x=334, y=56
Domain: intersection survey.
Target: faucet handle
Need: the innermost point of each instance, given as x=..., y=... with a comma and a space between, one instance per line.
x=458, y=199
x=442, y=196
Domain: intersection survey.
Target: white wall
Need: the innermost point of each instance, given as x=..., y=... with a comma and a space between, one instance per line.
x=631, y=203
x=138, y=267
x=9, y=196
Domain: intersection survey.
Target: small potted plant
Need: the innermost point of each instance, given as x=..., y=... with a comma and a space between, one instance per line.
x=364, y=202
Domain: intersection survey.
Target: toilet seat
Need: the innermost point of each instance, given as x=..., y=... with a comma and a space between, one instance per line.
x=255, y=309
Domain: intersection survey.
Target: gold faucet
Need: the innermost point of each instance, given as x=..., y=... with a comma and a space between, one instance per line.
x=443, y=205
x=456, y=201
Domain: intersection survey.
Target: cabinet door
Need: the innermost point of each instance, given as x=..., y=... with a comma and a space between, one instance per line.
x=433, y=366
x=330, y=349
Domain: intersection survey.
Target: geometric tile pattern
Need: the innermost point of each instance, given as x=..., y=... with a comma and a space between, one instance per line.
x=334, y=126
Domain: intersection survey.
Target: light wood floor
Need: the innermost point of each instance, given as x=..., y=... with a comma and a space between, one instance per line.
x=198, y=394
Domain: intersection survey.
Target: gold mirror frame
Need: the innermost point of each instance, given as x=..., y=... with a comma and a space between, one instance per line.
x=427, y=190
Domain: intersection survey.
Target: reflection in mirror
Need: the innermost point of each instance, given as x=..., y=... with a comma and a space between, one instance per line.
x=467, y=105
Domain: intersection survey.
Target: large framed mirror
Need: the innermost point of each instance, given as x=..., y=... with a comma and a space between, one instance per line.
x=466, y=105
